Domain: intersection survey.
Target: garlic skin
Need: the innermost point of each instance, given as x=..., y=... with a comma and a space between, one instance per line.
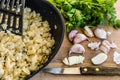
x=100, y=33
x=99, y=59
x=94, y=45
x=104, y=49
x=77, y=48
x=106, y=43
x=106, y=46
x=72, y=34
x=73, y=60
x=116, y=57
x=109, y=33
x=113, y=45
x=79, y=38
x=88, y=31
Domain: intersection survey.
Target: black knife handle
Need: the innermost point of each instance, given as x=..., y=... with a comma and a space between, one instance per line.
x=100, y=71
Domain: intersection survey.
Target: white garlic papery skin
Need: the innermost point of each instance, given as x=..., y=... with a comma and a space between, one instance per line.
x=104, y=49
x=72, y=60
x=79, y=38
x=94, y=45
x=116, y=57
x=113, y=45
x=99, y=59
x=106, y=46
x=100, y=33
x=72, y=34
x=109, y=33
x=109, y=44
x=88, y=31
x=77, y=48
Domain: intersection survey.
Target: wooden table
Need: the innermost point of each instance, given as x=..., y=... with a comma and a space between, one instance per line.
x=63, y=52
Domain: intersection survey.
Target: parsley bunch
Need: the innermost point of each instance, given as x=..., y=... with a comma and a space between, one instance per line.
x=79, y=13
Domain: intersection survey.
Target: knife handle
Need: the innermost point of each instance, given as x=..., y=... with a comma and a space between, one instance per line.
x=100, y=71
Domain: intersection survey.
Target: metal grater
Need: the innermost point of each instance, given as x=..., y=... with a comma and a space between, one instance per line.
x=11, y=16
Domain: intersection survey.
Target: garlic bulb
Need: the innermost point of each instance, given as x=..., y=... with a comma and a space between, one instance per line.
x=99, y=59
x=88, y=31
x=100, y=33
x=72, y=34
x=77, y=48
x=94, y=45
x=79, y=38
x=73, y=60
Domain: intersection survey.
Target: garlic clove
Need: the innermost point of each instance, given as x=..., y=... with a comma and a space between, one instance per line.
x=94, y=45
x=72, y=34
x=100, y=33
x=65, y=61
x=88, y=31
x=72, y=60
x=79, y=38
x=116, y=57
x=77, y=48
x=99, y=59
x=81, y=59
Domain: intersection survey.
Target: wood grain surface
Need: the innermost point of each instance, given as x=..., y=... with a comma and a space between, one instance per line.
x=63, y=52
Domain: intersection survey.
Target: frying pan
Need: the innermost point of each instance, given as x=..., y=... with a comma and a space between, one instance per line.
x=52, y=15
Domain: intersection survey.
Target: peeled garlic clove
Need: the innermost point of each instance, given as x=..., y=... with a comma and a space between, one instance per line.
x=77, y=48
x=65, y=61
x=116, y=57
x=81, y=59
x=88, y=31
x=100, y=33
x=94, y=45
x=99, y=59
x=72, y=34
x=73, y=60
x=79, y=38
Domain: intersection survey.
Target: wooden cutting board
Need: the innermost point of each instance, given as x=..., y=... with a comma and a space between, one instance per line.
x=63, y=52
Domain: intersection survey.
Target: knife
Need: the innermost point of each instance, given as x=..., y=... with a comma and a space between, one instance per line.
x=85, y=70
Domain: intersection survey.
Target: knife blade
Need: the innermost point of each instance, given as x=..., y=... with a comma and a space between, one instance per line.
x=85, y=70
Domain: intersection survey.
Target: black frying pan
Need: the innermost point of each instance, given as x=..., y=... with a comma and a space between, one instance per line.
x=52, y=15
